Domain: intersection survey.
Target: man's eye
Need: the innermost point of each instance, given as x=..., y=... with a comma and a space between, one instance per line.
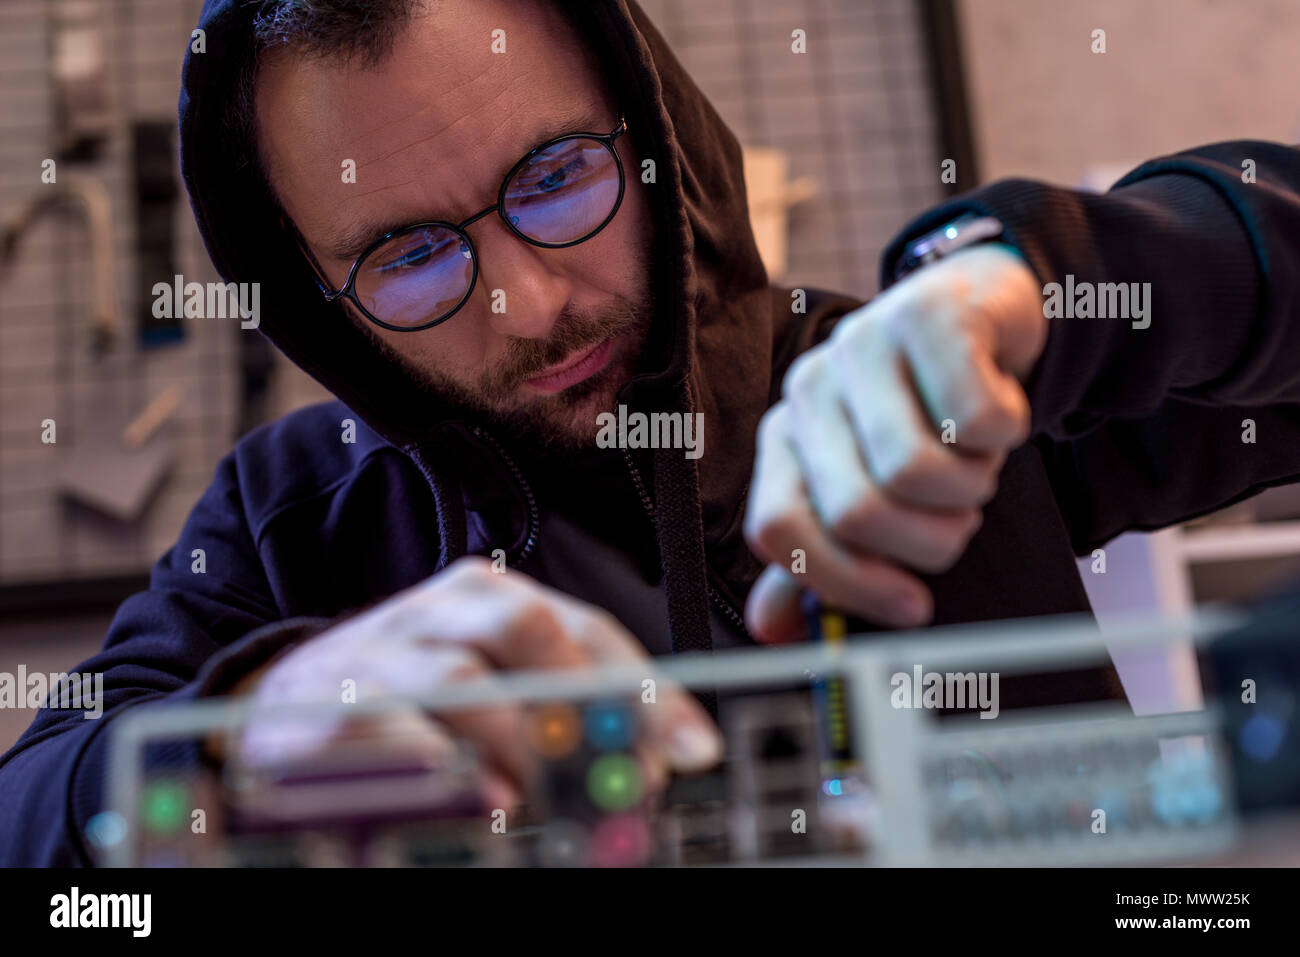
x=415, y=257
x=558, y=177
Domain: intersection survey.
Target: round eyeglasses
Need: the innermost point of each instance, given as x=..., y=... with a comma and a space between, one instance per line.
x=560, y=194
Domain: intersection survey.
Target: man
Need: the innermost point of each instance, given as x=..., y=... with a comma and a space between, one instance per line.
x=489, y=282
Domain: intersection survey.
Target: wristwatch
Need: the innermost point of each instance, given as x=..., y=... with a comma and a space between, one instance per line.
x=968, y=229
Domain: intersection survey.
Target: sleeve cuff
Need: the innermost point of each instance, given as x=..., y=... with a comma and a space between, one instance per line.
x=255, y=649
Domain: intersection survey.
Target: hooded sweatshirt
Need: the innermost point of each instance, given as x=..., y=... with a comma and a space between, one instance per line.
x=1132, y=429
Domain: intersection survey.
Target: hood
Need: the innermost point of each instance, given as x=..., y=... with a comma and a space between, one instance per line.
x=711, y=340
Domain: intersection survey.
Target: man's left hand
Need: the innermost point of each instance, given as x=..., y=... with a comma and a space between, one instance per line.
x=889, y=439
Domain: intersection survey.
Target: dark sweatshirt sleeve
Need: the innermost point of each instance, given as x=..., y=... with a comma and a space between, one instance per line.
x=191, y=634
x=1143, y=427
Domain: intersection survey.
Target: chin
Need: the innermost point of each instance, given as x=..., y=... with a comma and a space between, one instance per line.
x=567, y=420
x=575, y=424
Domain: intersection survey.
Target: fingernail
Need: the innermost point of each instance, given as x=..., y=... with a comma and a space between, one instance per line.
x=693, y=747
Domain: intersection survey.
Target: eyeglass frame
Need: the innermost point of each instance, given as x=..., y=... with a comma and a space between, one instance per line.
x=347, y=290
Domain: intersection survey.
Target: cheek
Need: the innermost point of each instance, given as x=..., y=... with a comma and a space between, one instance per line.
x=617, y=260
x=456, y=350
x=635, y=213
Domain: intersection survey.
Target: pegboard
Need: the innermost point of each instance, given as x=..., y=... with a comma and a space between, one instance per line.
x=49, y=368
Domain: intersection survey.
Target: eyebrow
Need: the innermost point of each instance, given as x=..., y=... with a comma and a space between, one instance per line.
x=356, y=238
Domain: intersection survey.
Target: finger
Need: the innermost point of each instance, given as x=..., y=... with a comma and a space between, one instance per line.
x=499, y=792
x=678, y=732
x=772, y=611
x=780, y=519
x=655, y=770
x=1009, y=425
x=511, y=625
x=957, y=379
x=498, y=737
x=850, y=504
x=398, y=736
x=899, y=442
x=778, y=481
x=516, y=625
x=871, y=587
x=495, y=732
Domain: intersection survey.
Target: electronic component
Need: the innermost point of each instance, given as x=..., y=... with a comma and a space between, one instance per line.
x=1037, y=786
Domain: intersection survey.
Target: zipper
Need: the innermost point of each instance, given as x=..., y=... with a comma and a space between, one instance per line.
x=714, y=595
x=534, y=519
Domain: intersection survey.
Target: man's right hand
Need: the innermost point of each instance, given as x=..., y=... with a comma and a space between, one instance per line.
x=465, y=622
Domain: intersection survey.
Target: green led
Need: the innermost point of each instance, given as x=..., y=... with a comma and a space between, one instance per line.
x=166, y=806
x=614, y=782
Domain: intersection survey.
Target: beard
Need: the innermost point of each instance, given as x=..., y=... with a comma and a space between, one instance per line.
x=565, y=420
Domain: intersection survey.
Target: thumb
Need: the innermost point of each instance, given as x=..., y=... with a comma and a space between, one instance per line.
x=772, y=611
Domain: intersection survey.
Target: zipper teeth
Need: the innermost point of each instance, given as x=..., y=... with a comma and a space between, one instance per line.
x=534, y=520
x=730, y=612
x=646, y=501
x=734, y=616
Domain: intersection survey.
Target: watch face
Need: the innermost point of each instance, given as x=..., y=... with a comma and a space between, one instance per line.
x=966, y=230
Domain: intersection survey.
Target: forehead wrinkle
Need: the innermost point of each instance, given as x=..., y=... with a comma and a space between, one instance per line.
x=374, y=132
x=422, y=108
x=389, y=154
x=490, y=108
x=374, y=191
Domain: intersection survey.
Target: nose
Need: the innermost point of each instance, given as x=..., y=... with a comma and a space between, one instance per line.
x=525, y=294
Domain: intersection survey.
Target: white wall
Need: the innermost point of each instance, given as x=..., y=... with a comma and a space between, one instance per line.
x=1177, y=73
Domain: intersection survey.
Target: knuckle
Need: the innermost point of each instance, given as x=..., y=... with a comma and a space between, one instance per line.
x=752, y=529
x=940, y=555
x=985, y=416
x=962, y=347
x=848, y=324
x=933, y=315
x=852, y=348
x=857, y=326
x=466, y=665
x=860, y=520
x=987, y=493
x=915, y=464
x=915, y=306
x=600, y=619
x=535, y=627
x=992, y=471
x=771, y=427
x=804, y=374
x=909, y=309
x=950, y=546
x=768, y=534
x=470, y=570
x=599, y=626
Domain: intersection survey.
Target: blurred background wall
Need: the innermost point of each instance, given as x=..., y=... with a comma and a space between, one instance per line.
x=120, y=63
x=63, y=566
x=1175, y=74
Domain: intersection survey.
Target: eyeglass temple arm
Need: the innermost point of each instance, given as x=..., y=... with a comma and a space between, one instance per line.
x=318, y=274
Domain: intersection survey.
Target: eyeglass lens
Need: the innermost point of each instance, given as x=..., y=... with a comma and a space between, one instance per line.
x=562, y=195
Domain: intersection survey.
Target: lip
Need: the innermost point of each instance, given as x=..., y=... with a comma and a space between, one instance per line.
x=572, y=371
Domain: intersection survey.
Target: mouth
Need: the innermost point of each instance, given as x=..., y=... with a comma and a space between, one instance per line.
x=573, y=370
